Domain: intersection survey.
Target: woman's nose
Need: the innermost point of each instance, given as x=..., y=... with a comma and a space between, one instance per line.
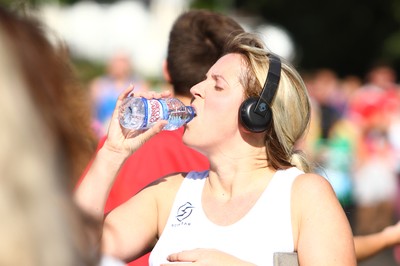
x=196, y=90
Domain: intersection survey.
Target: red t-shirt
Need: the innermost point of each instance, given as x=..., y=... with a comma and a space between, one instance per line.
x=163, y=154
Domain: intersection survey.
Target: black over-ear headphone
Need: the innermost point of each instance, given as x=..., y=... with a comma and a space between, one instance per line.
x=255, y=113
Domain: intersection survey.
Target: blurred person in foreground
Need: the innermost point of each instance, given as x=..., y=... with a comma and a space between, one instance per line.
x=196, y=42
x=104, y=90
x=45, y=132
x=55, y=90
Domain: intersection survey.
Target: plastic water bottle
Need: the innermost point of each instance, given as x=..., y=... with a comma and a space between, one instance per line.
x=142, y=113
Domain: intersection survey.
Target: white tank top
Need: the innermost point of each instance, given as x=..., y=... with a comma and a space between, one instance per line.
x=264, y=230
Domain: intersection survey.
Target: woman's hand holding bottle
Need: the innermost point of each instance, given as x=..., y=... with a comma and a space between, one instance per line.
x=125, y=141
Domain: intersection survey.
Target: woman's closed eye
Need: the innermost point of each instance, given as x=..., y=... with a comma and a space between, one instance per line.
x=219, y=82
x=218, y=88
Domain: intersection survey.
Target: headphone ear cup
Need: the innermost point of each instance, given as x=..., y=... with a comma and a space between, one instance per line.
x=251, y=120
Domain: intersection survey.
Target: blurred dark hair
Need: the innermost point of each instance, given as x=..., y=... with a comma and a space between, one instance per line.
x=54, y=89
x=196, y=42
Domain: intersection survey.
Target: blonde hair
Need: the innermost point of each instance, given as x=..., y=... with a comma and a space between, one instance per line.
x=290, y=108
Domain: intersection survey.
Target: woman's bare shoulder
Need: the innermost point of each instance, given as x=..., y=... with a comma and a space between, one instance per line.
x=311, y=183
x=312, y=190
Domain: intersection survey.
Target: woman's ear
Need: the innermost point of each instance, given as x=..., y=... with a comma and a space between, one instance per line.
x=165, y=71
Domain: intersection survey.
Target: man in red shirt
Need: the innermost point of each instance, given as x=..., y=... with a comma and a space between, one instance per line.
x=196, y=42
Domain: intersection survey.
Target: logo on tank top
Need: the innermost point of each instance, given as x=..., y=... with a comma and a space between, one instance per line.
x=183, y=212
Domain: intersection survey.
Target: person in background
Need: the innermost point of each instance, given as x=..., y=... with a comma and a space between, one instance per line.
x=258, y=196
x=369, y=245
x=373, y=109
x=104, y=90
x=45, y=131
x=331, y=136
x=196, y=42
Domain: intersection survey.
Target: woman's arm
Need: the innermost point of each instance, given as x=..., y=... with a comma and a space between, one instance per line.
x=321, y=230
x=93, y=191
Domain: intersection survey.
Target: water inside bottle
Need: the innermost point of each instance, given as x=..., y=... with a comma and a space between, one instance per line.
x=132, y=115
x=179, y=117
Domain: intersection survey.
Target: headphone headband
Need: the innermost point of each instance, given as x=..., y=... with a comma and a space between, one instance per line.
x=270, y=86
x=255, y=113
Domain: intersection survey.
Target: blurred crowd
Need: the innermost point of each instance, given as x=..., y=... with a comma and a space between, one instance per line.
x=354, y=141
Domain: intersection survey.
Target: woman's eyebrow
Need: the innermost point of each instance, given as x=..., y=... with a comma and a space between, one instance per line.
x=219, y=76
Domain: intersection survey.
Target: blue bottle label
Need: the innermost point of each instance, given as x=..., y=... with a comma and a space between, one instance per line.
x=146, y=113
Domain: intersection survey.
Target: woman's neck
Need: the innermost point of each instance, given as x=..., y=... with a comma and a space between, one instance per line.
x=233, y=176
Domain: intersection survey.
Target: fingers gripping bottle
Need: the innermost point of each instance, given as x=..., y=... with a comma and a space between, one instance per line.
x=142, y=113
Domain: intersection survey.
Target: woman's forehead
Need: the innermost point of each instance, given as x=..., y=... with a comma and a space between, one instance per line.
x=227, y=65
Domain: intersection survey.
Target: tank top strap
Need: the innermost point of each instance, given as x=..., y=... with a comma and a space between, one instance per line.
x=191, y=189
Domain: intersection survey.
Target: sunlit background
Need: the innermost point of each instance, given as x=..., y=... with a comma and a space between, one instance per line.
x=346, y=36
x=94, y=31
